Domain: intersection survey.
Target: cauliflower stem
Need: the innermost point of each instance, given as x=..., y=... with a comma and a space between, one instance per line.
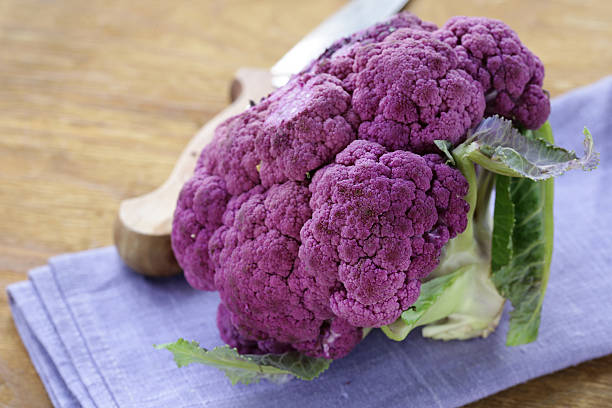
x=458, y=306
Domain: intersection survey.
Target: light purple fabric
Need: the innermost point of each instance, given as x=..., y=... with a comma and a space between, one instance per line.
x=89, y=323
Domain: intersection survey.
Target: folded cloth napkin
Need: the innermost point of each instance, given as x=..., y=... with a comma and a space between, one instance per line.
x=89, y=323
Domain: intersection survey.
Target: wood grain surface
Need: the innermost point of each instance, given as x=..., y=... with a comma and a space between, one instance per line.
x=98, y=97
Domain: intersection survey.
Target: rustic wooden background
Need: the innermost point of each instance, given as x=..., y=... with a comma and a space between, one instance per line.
x=98, y=97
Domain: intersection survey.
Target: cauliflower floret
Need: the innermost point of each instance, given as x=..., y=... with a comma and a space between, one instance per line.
x=231, y=154
x=201, y=205
x=410, y=92
x=379, y=222
x=336, y=340
x=254, y=254
x=511, y=75
x=293, y=131
x=308, y=127
x=233, y=338
x=338, y=59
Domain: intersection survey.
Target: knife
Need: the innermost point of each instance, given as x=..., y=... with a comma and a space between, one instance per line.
x=143, y=225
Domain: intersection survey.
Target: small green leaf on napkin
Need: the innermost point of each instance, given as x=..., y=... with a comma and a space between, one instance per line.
x=248, y=368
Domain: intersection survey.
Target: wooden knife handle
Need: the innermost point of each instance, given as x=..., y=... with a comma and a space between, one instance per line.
x=143, y=224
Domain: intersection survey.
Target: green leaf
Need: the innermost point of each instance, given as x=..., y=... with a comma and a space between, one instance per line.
x=522, y=247
x=499, y=147
x=431, y=291
x=445, y=146
x=248, y=368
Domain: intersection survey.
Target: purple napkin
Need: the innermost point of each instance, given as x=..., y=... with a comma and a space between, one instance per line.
x=89, y=323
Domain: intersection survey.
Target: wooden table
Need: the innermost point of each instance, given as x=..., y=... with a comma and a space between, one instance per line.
x=98, y=97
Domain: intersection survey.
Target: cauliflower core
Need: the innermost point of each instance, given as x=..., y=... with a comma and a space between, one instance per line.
x=318, y=211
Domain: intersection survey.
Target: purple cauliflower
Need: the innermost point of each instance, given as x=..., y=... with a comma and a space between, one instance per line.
x=318, y=211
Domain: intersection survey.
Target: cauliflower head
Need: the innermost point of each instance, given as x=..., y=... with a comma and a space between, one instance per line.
x=320, y=210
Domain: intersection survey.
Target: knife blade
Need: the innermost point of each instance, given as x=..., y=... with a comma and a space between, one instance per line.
x=143, y=225
x=354, y=16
